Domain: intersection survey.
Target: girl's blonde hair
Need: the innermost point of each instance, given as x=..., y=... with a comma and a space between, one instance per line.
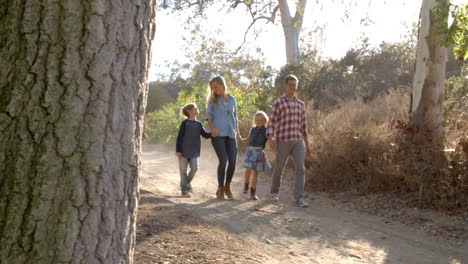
x=263, y=114
x=213, y=98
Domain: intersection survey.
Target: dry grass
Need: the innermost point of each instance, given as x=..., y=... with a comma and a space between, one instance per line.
x=359, y=146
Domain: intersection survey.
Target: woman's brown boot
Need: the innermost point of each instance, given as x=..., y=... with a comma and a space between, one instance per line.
x=227, y=191
x=220, y=193
x=252, y=194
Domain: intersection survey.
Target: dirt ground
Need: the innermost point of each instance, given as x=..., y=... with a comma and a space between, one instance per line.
x=333, y=229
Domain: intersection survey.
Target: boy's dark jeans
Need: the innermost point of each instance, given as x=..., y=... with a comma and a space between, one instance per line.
x=226, y=150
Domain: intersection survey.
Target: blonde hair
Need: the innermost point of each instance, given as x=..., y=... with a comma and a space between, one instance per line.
x=187, y=108
x=264, y=115
x=291, y=77
x=213, y=98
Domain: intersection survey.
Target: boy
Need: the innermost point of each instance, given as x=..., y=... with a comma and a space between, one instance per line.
x=188, y=146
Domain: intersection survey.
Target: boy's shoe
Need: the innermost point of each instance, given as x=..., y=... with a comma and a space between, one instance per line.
x=274, y=197
x=185, y=194
x=301, y=202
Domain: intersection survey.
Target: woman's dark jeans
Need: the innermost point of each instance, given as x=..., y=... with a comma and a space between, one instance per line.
x=226, y=150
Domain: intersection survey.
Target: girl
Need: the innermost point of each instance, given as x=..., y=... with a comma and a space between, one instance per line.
x=255, y=158
x=222, y=119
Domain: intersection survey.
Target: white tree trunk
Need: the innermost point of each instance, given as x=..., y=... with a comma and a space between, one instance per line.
x=292, y=28
x=428, y=83
x=72, y=97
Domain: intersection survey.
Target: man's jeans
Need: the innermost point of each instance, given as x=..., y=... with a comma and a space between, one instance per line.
x=184, y=178
x=284, y=149
x=226, y=150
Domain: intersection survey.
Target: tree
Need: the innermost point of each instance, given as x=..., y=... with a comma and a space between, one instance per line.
x=72, y=97
x=429, y=78
x=292, y=28
x=259, y=10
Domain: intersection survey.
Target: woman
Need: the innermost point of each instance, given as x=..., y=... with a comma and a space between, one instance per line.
x=222, y=119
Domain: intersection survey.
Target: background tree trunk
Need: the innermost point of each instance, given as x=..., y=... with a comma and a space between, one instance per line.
x=72, y=95
x=428, y=84
x=292, y=28
x=427, y=97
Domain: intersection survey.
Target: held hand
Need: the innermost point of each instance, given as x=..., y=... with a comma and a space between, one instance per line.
x=214, y=132
x=308, y=152
x=272, y=143
x=178, y=154
x=239, y=138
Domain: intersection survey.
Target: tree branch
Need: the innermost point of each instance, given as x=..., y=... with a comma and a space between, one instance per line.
x=254, y=20
x=299, y=16
x=273, y=14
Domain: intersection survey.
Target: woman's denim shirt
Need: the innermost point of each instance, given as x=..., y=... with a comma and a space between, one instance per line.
x=224, y=116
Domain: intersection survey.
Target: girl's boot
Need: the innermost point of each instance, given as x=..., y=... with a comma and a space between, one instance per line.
x=246, y=188
x=220, y=193
x=227, y=191
x=252, y=194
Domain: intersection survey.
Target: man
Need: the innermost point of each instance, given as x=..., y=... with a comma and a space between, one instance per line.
x=287, y=131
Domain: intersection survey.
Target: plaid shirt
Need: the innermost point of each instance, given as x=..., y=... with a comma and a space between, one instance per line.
x=287, y=119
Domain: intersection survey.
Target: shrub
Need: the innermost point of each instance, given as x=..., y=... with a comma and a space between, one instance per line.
x=368, y=147
x=456, y=92
x=351, y=144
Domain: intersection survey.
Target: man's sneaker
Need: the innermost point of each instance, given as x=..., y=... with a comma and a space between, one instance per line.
x=301, y=203
x=185, y=194
x=274, y=197
x=189, y=188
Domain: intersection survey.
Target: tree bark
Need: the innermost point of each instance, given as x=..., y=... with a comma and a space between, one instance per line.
x=428, y=83
x=292, y=28
x=72, y=97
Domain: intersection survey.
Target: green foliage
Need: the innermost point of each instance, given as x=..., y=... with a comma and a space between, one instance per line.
x=456, y=92
x=457, y=33
x=364, y=72
x=210, y=57
x=246, y=107
x=162, y=125
x=158, y=95
x=247, y=77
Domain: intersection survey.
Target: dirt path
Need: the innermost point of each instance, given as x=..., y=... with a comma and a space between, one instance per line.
x=325, y=232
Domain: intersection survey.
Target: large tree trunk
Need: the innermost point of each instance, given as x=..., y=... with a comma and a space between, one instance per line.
x=426, y=105
x=428, y=84
x=292, y=28
x=72, y=95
